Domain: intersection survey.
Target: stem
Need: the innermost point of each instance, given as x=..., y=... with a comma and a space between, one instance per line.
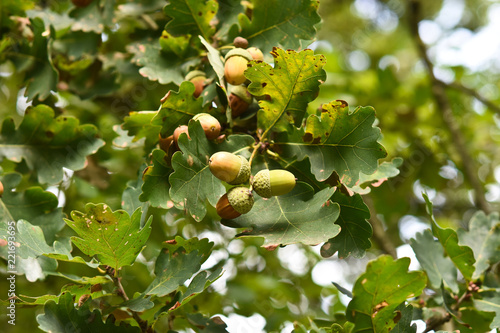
x=256, y=147
x=444, y=106
x=457, y=86
x=379, y=234
x=143, y=324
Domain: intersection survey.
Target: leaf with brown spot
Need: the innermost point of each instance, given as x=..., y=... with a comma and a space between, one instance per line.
x=114, y=237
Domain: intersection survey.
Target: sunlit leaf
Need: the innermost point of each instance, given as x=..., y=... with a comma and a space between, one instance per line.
x=377, y=293
x=292, y=83
x=115, y=237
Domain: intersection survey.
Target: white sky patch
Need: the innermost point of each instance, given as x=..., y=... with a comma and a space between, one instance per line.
x=240, y=324
x=409, y=226
x=293, y=258
x=477, y=51
x=406, y=250
x=61, y=197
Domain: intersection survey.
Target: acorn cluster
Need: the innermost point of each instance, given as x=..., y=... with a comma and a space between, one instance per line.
x=211, y=126
x=235, y=170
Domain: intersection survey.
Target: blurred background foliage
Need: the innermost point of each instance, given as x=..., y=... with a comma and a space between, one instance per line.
x=372, y=59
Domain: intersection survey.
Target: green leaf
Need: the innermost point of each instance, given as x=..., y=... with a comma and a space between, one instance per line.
x=207, y=325
x=340, y=141
x=191, y=16
x=462, y=256
x=30, y=238
x=355, y=230
x=178, y=108
x=92, y=18
x=62, y=251
x=490, y=302
x=192, y=183
x=227, y=16
x=297, y=217
x=115, y=237
x=174, y=266
x=175, y=45
x=34, y=205
x=59, y=317
x=215, y=59
x=404, y=324
x=483, y=238
x=138, y=124
x=379, y=291
x=430, y=255
x=43, y=77
x=479, y=321
x=384, y=171
x=274, y=22
x=48, y=144
x=155, y=189
x=292, y=83
x=157, y=66
x=130, y=196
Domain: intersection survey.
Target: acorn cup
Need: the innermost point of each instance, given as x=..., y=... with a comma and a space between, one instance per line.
x=230, y=168
x=238, y=200
x=273, y=183
x=210, y=124
x=236, y=62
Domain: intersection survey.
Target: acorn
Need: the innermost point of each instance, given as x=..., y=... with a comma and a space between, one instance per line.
x=272, y=183
x=256, y=53
x=210, y=125
x=231, y=168
x=1, y=189
x=237, y=201
x=239, y=100
x=240, y=42
x=235, y=65
x=178, y=131
x=198, y=78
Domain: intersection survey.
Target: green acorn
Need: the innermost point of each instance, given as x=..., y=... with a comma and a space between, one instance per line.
x=272, y=183
x=231, y=168
x=237, y=201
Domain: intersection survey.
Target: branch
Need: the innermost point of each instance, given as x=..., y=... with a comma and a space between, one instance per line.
x=143, y=324
x=379, y=233
x=457, y=86
x=444, y=106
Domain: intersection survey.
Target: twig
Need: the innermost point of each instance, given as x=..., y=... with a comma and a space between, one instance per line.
x=443, y=105
x=379, y=234
x=143, y=324
x=457, y=86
